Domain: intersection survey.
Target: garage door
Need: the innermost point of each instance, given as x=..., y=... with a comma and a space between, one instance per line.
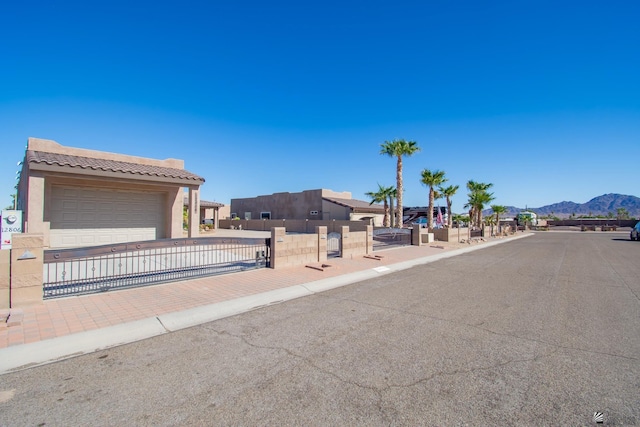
x=88, y=216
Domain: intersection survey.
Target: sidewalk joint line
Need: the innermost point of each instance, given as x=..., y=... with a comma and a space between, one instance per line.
x=162, y=324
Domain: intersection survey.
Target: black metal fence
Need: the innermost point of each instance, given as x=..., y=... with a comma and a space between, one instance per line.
x=476, y=232
x=385, y=237
x=101, y=268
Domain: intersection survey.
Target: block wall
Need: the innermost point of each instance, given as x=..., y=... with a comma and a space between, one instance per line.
x=289, y=250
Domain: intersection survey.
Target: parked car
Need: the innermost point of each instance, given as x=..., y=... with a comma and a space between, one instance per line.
x=635, y=232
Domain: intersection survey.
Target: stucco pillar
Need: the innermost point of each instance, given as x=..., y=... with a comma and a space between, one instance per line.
x=26, y=269
x=5, y=278
x=175, y=207
x=369, y=239
x=321, y=232
x=34, y=215
x=415, y=235
x=345, y=242
x=194, y=212
x=278, y=246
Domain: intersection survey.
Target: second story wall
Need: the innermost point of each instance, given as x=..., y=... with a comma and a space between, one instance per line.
x=307, y=204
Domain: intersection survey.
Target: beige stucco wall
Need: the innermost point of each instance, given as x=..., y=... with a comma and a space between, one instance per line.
x=377, y=218
x=194, y=212
x=289, y=205
x=33, y=215
x=50, y=146
x=280, y=205
x=224, y=212
x=175, y=204
x=332, y=211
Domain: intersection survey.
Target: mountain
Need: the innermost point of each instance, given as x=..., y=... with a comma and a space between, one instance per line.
x=601, y=205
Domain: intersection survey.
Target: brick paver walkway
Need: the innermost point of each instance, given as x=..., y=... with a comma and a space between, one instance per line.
x=64, y=316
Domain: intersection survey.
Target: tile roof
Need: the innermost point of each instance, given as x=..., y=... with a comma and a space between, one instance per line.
x=111, y=166
x=205, y=203
x=356, y=205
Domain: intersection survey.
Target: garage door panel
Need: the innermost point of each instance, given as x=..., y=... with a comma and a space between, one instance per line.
x=69, y=192
x=69, y=204
x=70, y=217
x=85, y=217
x=103, y=217
x=89, y=240
x=87, y=205
x=63, y=241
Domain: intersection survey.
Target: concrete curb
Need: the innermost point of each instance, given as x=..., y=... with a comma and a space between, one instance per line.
x=38, y=353
x=26, y=356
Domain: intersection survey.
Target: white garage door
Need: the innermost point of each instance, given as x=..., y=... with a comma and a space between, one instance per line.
x=88, y=216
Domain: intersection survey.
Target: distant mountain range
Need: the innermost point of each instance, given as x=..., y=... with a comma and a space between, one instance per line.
x=601, y=205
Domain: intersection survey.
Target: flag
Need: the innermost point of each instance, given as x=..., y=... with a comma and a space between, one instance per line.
x=439, y=218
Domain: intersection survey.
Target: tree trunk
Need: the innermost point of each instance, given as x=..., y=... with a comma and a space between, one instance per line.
x=385, y=220
x=391, y=212
x=430, y=212
x=399, y=195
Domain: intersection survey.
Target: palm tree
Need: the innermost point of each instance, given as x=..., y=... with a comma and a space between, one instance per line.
x=448, y=192
x=459, y=219
x=380, y=196
x=432, y=179
x=498, y=209
x=399, y=148
x=622, y=213
x=392, y=195
x=437, y=195
x=478, y=198
x=490, y=220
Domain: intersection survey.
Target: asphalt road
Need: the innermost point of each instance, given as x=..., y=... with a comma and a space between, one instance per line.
x=538, y=331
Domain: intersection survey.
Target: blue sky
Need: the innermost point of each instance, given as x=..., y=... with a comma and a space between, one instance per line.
x=539, y=98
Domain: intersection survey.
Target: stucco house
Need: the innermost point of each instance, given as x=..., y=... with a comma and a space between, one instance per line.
x=76, y=197
x=210, y=212
x=320, y=204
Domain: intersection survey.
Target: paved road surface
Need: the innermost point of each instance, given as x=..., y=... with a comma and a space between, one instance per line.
x=538, y=331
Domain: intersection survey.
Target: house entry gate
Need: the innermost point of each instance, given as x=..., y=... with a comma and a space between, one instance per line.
x=334, y=249
x=102, y=268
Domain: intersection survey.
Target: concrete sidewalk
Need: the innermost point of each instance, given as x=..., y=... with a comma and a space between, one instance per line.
x=66, y=327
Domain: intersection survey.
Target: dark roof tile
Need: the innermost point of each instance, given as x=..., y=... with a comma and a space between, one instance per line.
x=355, y=204
x=40, y=157
x=205, y=203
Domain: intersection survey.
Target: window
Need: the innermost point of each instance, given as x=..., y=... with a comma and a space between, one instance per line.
x=247, y=215
x=265, y=215
x=234, y=215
